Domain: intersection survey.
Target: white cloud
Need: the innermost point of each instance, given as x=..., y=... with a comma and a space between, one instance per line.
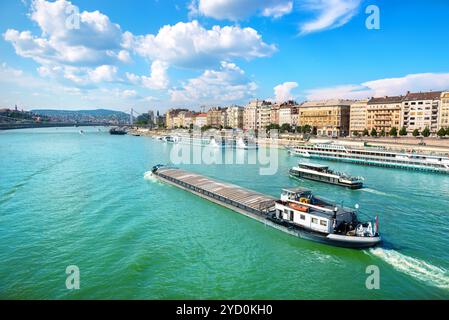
x=240, y=9
x=330, y=14
x=384, y=87
x=129, y=93
x=228, y=84
x=283, y=93
x=97, y=41
x=158, y=78
x=188, y=44
x=84, y=54
x=103, y=73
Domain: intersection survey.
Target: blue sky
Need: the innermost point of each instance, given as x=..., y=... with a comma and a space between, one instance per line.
x=161, y=54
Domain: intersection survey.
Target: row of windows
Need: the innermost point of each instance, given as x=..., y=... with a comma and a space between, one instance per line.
x=303, y=217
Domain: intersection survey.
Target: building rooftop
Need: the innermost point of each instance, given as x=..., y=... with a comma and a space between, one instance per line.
x=386, y=100
x=327, y=103
x=430, y=95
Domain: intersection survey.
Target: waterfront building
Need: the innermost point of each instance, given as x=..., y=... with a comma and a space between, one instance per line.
x=250, y=115
x=264, y=116
x=420, y=110
x=234, y=117
x=329, y=117
x=199, y=120
x=170, y=121
x=357, y=116
x=444, y=111
x=274, y=115
x=285, y=115
x=384, y=113
x=295, y=116
x=214, y=117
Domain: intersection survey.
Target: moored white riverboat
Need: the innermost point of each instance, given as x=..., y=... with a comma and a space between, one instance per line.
x=373, y=156
x=322, y=173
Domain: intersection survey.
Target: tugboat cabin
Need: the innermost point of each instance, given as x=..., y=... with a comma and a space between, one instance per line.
x=299, y=207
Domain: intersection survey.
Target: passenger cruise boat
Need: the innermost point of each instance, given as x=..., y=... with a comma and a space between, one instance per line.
x=320, y=220
x=372, y=156
x=322, y=173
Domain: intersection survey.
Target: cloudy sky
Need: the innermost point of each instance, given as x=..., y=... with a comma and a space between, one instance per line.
x=87, y=54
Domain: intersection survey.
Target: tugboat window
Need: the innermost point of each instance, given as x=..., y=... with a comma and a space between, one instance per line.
x=315, y=220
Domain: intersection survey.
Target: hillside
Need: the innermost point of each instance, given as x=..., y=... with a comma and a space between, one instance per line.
x=98, y=115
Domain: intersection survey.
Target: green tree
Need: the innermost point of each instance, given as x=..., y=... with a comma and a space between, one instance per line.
x=415, y=133
x=314, y=131
x=373, y=132
x=447, y=131
x=306, y=128
x=382, y=133
x=365, y=132
x=286, y=127
x=355, y=133
x=205, y=128
x=394, y=132
x=441, y=132
x=273, y=126
x=426, y=132
x=403, y=131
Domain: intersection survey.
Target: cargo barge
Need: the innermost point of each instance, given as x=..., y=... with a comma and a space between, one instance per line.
x=298, y=212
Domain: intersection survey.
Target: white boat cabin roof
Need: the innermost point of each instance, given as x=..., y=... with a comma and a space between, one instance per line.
x=313, y=165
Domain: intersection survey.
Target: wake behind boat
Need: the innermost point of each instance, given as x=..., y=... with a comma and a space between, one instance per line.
x=322, y=173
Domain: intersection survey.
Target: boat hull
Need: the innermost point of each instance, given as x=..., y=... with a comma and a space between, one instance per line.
x=329, y=239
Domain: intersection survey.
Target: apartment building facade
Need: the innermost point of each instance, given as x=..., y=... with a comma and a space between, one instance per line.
x=215, y=117
x=263, y=117
x=285, y=115
x=199, y=120
x=171, y=118
x=234, y=117
x=443, y=119
x=384, y=113
x=420, y=110
x=329, y=117
x=357, y=116
x=257, y=115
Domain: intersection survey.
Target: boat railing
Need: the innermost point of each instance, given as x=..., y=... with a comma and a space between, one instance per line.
x=319, y=208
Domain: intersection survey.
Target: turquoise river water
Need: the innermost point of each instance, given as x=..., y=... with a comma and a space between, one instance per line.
x=81, y=199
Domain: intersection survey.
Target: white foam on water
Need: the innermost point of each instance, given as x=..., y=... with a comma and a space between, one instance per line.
x=380, y=193
x=150, y=177
x=419, y=269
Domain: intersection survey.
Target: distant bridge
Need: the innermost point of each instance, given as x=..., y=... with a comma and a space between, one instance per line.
x=9, y=123
x=27, y=125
